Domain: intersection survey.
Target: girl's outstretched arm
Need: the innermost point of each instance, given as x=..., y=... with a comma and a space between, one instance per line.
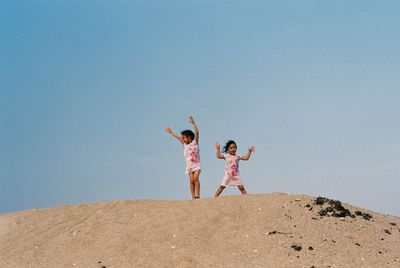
x=196, y=129
x=218, y=147
x=247, y=156
x=170, y=131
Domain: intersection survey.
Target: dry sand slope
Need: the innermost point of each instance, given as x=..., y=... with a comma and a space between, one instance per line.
x=232, y=231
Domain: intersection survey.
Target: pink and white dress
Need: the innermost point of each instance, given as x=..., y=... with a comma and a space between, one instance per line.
x=232, y=175
x=192, y=157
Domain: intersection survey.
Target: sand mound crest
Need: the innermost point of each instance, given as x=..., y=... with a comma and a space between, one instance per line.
x=273, y=230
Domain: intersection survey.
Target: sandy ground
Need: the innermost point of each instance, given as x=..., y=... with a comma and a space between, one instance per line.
x=231, y=231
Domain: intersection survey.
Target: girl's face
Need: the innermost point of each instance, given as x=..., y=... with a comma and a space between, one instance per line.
x=186, y=139
x=232, y=149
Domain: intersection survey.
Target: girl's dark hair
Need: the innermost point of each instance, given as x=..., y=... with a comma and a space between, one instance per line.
x=188, y=133
x=229, y=143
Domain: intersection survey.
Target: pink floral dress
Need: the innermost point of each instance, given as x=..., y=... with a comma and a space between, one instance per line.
x=232, y=175
x=192, y=157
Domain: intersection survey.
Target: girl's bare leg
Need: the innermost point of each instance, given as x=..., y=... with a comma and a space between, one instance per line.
x=241, y=188
x=192, y=185
x=219, y=190
x=196, y=180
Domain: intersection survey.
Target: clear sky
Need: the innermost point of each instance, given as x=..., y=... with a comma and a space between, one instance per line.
x=88, y=86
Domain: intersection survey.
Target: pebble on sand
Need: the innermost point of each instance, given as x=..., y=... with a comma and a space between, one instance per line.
x=296, y=247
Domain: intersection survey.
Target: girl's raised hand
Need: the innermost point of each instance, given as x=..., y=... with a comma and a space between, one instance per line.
x=252, y=149
x=168, y=130
x=191, y=120
x=217, y=145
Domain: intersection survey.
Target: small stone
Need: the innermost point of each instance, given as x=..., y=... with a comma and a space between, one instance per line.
x=307, y=205
x=367, y=216
x=310, y=248
x=358, y=244
x=297, y=199
x=393, y=223
x=387, y=231
x=296, y=247
x=320, y=200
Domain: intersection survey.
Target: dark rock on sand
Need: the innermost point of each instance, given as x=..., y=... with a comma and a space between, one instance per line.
x=296, y=247
x=387, y=231
x=334, y=208
x=366, y=216
x=321, y=200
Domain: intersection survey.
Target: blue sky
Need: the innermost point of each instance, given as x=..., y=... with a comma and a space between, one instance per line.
x=88, y=86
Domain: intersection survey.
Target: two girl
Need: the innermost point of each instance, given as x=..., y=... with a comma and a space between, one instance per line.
x=190, y=142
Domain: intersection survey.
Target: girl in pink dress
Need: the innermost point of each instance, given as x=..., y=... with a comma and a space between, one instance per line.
x=232, y=175
x=191, y=152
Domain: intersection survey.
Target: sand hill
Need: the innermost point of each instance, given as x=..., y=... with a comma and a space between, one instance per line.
x=273, y=230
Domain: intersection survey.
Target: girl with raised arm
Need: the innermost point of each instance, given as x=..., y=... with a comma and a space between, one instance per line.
x=190, y=143
x=232, y=175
